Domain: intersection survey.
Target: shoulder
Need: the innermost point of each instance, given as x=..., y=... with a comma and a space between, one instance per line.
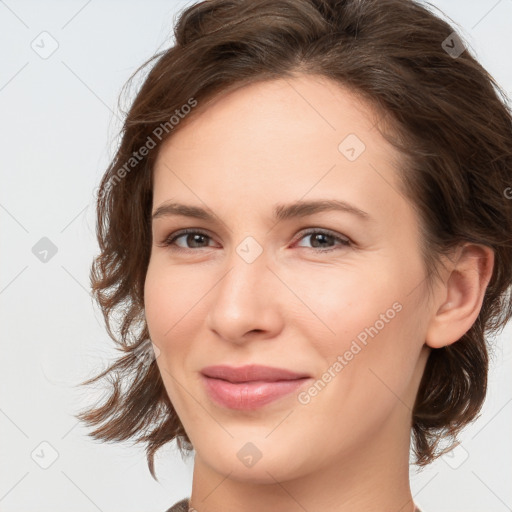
x=180, y=506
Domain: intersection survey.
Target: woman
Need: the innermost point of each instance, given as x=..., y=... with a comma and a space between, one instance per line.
x=306, y=234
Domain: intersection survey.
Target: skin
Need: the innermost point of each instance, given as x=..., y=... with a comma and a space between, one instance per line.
x=296, y=305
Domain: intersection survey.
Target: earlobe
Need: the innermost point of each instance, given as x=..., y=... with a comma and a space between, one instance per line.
x=461, y=296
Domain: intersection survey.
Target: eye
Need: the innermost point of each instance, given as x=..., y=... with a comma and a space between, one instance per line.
x=319, y=238
x=191, y=236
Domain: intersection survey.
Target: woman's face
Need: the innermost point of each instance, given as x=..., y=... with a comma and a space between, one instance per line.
x=287, y=291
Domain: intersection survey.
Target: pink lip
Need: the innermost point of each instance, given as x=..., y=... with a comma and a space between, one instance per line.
x=250, y=372
x=251, y=386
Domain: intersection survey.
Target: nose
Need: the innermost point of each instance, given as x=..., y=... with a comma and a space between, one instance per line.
x=247, y=301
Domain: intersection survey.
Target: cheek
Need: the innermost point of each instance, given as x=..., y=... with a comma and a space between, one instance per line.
x=339, y=305
x=327, y=297
x=153, y=303
x=163, y=311
x=173, y=299
x=159, y=301
x=383, y=353
x=366, y=384
x=366, y=332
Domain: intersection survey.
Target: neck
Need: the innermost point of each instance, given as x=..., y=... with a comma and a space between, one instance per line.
x=373, y=476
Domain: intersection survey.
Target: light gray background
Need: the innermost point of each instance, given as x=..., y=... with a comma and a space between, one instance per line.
x=59, y=119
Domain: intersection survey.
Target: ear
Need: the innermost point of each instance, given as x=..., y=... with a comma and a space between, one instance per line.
x=460, y=297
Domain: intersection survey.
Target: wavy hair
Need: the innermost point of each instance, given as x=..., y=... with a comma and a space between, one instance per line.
x=448, y=117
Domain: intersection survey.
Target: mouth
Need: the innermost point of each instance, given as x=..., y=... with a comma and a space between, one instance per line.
x=251, y=373
x=250, y=387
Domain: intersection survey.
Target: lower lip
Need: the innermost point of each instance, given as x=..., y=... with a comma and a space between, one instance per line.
x=249, y=395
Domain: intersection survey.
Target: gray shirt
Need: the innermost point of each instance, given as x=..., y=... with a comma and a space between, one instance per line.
x=180, y=506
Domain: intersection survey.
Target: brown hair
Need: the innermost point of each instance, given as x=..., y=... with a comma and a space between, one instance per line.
x=448, y=120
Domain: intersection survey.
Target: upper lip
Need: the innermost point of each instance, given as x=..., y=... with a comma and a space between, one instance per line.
x=251, y=372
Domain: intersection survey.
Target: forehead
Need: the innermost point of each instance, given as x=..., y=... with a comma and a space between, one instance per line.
x=305, y=105
x=279, y=140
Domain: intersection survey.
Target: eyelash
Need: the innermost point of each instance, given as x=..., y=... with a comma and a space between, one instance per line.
x=169, y=241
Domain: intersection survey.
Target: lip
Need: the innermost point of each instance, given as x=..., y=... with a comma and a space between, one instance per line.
x=251, y=386
x=250, y=372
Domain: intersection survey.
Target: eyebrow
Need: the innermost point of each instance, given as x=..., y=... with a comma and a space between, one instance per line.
x=280, y=212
